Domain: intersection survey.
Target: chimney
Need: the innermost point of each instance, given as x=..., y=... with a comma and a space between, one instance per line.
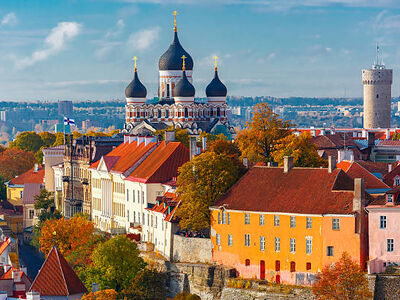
x=331, y=164
x=16, y=275
x=204, y=142
x=149, y=139
x=192, y=146
x=32, y=296
x=387, y=133
x=132, y=138
x=36, y=168
x=6, y=268
x=287, y=163
x=169, y=136
x=140, y=139
x=371, y=139
x=126, y=139
x=359, y=194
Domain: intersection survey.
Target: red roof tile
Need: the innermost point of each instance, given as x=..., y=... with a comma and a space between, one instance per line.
x=29, y=177
x=389, y=143
x=4, y=245
x=57, y=278
x=355, y=170
x=8, y=274
x=301, y=190
x=389, y=178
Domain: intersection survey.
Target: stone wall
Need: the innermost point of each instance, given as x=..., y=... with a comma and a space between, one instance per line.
x=250, y=294
x=192, y=250
x=386, y=287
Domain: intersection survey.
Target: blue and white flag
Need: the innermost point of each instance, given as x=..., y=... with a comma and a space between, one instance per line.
x=68, y=121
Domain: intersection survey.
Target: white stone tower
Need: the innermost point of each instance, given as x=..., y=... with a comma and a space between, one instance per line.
x=377, y=83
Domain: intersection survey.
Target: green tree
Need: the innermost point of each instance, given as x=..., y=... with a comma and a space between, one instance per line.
x=28, y=141
x=114, y=264
x=48, y=138
x=146, y=285
x=200, y=183
x=258, y=139
x=396, y=136
x=181, y=135
x=304, y=152
x=59, y=139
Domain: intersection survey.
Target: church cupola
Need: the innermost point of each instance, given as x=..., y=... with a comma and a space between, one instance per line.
x=135, y=92
x=170, y=66
x=216, y=91
x=184, y=91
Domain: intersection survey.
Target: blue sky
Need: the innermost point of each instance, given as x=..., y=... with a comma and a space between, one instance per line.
x=82, y=49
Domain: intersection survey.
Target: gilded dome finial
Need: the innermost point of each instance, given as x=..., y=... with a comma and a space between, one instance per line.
x=215, y=63
x=183, y=62
x=135, y=59
x=175, y=13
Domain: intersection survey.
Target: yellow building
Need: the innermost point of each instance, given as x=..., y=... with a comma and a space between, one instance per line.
x=286, y=224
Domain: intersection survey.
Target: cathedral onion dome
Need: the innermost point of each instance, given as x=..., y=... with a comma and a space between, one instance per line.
x=135, y=92
x=216, y=88
x=171, y=59
x=184, y=88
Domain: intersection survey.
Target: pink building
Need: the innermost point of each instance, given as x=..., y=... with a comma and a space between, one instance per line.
x=384, y=231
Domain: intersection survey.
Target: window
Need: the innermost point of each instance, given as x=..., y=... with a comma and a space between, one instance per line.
x=292, y=222
x=21, y=193
x=127, y=196
x=389, y=198
x=293, y=245
x=219, y=218
x=262, y=219
x=292, y=266
x=155, y=225
x=134, y=217
x=276, y=221
x=247, y=262
x=277, y=265
x=329, y=251
x=308, y=245
x=218, y=240
x=133, y=196
x=335, y=224
x=309, y=223
x=151, y=221
x=143, y=197
x=230, y=240
x=223, y=217
x=397, y=180
x=308, y=266
x=246, y=219
x=277, y=244
x=127, y=214
x=229, y=218
x=143, y=219
x=247, y=240
x=262, y=243
x=383, y=222
x=31, y=213
x=390, y=245
x=138, y=196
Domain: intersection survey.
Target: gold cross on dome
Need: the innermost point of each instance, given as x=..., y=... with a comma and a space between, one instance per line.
x=215, y=62
x=175, y=13
x=135, y=59
x=183, y=62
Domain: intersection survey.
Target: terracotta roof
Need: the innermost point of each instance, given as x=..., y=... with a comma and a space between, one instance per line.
x=344, y=165
x=355, y=170
x=376, y=167
x=4, y=245
x=389, y=178
x=30, y=191
x=301, y=190
x=168, y=200
x=8, y=274
x=57, y=278
x=162, y=164
x=389, y=143
x=29, y=177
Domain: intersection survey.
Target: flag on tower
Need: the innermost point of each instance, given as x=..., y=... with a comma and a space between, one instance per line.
x=68, y=121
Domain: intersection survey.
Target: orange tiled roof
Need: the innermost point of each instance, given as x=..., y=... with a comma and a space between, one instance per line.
x=301, y=190
x=57, y=278
x=8, y=274
x=4, y=245
x=355, y=170
x=163, y=203
x=344, y=165
x=29, y=177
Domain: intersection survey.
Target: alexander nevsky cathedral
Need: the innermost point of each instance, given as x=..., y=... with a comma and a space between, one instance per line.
x=176, y=105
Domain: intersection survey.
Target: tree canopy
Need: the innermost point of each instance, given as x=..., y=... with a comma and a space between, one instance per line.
x=28, y=141
x=108, y=294
x=258, y=139
x=200, y=183
x=146, y=285
x=345, y=280
x=14, y=162
x=302, y=149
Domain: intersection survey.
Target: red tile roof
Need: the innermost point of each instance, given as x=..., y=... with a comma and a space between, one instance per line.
x=389, y=178
x=4, y=245
x=165, y=202
x=389, y=143
x=29, y=177
x=57, y=278
x=301, y=190
x=355, y=170
x=8, y=274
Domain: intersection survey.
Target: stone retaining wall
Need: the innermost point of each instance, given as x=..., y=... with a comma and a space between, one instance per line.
x=192, y=250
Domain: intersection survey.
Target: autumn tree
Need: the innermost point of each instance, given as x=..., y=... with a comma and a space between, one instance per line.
x=108, y=294
x=146, y=285
x=304, y=152
x=14, y=162
x=59, y=139
x=200, y=183
x=345, y=280
x=114, y=264
x=258, y=139
x=396, y=136
x=186, y=296
x=181, y=135
x=48, y=139
x=28, y=141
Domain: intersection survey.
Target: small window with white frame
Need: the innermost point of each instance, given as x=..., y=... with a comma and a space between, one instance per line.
x=335, y=224
x=276, y=221
x=309, y=223
x=262, y=219
x=397, y=180
x=389, y=198
x=218, y=239
x=292, y=245
x=247, y=240
x=230, y=240
x=262, y=243
x=247, y=219
x=382, y=222
x=390, y=245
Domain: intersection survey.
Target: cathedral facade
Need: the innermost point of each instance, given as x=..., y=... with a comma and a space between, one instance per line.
x=176, y=105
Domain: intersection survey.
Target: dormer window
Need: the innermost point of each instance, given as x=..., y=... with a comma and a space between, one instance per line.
x=397, y=180
x=389, y=198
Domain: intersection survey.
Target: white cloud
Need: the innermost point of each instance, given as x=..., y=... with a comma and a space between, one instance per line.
x=144, y=39
x=119, y=28
x=9, y=19
x=61, y=84
x=54, y=43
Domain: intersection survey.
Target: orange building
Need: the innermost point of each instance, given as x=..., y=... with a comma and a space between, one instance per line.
x=286, y=224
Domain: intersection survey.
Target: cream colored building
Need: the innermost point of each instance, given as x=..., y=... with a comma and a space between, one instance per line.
x=51, y=157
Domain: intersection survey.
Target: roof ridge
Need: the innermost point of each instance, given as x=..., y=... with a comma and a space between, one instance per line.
x=161, y=162
x=372, y=175
x=62, y=271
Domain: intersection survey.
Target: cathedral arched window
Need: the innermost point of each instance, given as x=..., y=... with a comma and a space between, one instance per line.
x=159, y=113
x=167, y=113
x=186, y=112
x=218, y=112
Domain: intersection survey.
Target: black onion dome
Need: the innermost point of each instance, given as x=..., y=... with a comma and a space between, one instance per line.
x=172, y=58
x=184, y=88
x=216, y=88
x=135, y=89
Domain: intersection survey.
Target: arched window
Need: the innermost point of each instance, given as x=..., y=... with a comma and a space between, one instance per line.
x=186, y=112
x=167, y=113
x=218, y=112
x=247, y=262
x=159, y=113
x=292, y=266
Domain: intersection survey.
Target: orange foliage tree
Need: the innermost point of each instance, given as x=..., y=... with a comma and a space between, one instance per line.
x=257, y=140
x=345, y=280
x=74, y=238
x=109, y=294
x=14, y=161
